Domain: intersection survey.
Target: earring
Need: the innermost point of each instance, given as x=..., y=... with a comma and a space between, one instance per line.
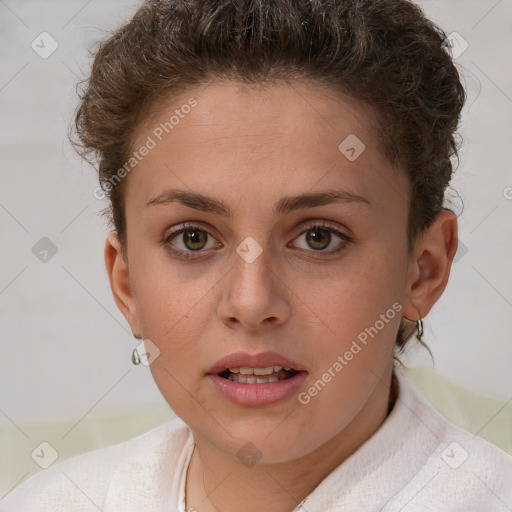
x=419, y=324
x=135, y=353
x=135, y=357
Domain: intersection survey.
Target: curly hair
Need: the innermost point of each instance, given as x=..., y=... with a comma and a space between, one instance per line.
x=386, y=53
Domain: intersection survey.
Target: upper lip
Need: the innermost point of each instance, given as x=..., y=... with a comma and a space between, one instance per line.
x=259, y=360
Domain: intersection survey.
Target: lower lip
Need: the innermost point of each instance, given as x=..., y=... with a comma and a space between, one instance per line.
x=257, y=395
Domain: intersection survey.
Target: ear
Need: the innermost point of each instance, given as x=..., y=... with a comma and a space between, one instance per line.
x=119, y=277
x=430, y=265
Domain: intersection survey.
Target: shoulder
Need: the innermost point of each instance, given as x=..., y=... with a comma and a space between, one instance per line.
x=462, y=469
x=88, y=481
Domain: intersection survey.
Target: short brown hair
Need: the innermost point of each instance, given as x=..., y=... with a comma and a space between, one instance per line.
x=383, y=52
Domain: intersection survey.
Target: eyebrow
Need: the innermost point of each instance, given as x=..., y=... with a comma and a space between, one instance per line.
x=285, y=205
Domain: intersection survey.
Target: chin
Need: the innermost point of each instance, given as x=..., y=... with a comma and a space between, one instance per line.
x=264, y=441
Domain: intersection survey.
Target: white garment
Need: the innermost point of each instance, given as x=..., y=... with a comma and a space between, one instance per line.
x=417, y=461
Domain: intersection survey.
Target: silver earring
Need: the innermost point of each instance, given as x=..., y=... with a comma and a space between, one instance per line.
x=135, y=357
x=419, y=324
x=135, y=353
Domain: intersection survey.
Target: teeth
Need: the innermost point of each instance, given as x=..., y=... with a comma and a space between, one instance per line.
x=252, y=379
x=264, y=380
x=247, y=375
x=257, y=371
x=263, y=371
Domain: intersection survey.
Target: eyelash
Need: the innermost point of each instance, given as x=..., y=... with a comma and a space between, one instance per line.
x=316, y=225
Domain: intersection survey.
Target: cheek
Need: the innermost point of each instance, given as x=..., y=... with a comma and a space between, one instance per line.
x=174, y=311
x=354, y=341
x=170, y=295
x=354, y=296
x=354, y=330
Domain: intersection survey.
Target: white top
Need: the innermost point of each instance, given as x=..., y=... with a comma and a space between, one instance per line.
x=417, y=461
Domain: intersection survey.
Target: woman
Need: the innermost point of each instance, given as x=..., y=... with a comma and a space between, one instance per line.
x=276, y=174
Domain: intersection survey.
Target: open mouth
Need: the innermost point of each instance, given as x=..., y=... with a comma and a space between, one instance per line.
x=273, y=376
x=266, y=375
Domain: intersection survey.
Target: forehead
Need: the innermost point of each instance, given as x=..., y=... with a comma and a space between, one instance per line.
x=254, y=142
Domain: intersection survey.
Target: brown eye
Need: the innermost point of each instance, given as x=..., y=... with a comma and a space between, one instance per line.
x=194, y=239
x=318, y=239
x=320, y=236
x=189, y=239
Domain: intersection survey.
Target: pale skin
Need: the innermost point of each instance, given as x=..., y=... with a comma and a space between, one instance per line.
x=249, y=148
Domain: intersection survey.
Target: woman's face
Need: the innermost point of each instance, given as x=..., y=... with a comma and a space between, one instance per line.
x=252, y=282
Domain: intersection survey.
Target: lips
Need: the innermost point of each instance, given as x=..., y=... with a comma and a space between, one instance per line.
x=254, y=380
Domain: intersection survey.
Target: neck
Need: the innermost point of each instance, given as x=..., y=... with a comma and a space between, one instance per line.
x=217, y=482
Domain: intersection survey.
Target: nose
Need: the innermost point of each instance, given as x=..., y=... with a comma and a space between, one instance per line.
x=255, y=295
